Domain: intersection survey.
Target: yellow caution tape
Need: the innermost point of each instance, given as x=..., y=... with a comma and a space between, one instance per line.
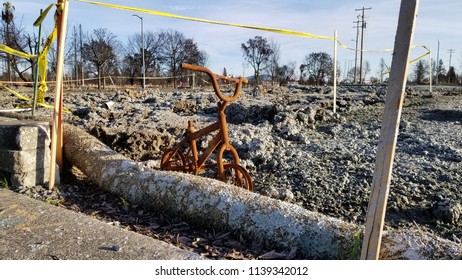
x=418, y=58
x=164, y=14
x=14, y=92
x=385, y=50
x=11, y=51
x=20, y=96
x=14, y=52
x=269, y=29
x=42, y=64
x=43, y=15
x=42, y=57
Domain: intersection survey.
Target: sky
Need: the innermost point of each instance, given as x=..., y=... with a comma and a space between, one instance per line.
x=438, y=20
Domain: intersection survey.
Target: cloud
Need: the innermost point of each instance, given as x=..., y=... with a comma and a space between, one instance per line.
x=180, y=8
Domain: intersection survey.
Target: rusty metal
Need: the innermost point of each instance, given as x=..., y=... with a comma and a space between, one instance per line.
x=185, y=157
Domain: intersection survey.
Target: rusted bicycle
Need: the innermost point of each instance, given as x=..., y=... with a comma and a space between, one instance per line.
x=185, y=157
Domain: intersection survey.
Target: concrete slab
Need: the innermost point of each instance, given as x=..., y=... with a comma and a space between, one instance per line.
x=31, y=178
x=24, y=160
x=31, y=229
x=24, y=134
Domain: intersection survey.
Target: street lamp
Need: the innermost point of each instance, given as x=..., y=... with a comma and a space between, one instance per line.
x=143, y=68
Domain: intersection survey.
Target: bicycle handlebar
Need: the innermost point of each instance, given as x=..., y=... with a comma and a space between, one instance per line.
x=215, y=85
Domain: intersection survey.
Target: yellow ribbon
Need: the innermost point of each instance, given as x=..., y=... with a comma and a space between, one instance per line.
x=11, y=51
x=164, y=14
x=42, y=57
x=43, y=15
x=269, y=29
x=42, y=64
x=20, y=96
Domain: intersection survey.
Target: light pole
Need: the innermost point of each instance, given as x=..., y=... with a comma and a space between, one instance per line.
x=143, y=68
x=438, y=62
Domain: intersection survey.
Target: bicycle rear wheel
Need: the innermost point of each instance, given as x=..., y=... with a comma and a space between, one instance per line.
x=173, y=160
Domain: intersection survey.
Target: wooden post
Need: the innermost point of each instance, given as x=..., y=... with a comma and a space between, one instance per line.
x=430, y=70
x=193, y=80
x=389, y=132
x=56, y=130
x=335, y=71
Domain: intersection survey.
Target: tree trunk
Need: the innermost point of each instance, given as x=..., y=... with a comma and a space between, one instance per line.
x=99, y=77
x=8, y=56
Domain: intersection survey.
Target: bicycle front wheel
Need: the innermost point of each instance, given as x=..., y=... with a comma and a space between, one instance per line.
x=237, y=175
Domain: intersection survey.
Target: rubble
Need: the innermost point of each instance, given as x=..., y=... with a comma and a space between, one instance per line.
x=292, y=143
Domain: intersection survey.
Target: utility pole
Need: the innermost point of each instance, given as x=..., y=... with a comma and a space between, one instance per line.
x=450, y=51
x=356, y=50
x=437, y=63
x=81, y=56
x=143, y=69
x=363, y=26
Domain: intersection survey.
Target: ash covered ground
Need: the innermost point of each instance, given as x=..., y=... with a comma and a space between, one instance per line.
x=297, y=150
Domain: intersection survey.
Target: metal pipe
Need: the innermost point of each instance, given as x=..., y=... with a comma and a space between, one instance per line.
x=36, y=70
x=143, y=67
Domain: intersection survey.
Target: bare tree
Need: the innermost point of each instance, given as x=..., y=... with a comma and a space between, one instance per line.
x=100, y=51
x=273, y=62
x=73, y=53
x=383, y=67
x=318, y=67
x=177, y=49
x=367, y=70
x=257, y=53
x=291, y=66
x=16, y=37
x=7, y=18
x=132, y=62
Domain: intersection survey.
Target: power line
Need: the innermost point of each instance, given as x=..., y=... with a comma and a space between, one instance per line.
x=363, y=26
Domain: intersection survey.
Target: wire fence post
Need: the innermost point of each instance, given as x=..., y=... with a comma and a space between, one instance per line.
x=36, y=70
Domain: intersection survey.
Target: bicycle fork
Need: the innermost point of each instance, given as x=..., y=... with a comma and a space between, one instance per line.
x=226, y=146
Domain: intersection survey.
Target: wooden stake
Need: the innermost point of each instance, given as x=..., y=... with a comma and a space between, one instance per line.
x=56, y=131
x=430, y=69
x=335, y=71
x=389, y=132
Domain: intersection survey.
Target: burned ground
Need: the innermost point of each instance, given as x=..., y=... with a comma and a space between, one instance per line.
x=297, y=150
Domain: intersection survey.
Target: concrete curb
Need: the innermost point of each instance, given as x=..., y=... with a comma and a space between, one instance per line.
x=34, y=230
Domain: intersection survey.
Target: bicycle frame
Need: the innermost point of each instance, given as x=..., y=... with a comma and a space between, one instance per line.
x=198, y=161
x=190, y=161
